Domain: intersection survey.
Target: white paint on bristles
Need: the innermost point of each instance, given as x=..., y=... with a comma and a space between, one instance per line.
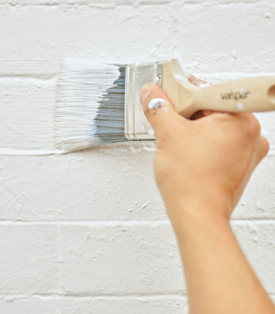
x=81, y=86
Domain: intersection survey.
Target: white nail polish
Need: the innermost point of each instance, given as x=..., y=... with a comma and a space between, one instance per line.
x=156, y=103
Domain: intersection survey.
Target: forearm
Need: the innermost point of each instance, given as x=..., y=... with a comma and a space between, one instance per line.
x=196, y=161
x=218, y=276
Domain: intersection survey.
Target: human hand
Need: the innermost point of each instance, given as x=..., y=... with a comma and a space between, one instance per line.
x=202, y=162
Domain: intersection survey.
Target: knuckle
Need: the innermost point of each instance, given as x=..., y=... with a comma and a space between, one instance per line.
x=171, y=134
x=165, y=135
x=253, y=127
x=264, y=146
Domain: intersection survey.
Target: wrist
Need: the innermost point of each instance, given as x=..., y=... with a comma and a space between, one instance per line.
x=198, y=211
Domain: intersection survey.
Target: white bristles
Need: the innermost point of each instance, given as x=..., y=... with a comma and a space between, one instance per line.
x=81, y=86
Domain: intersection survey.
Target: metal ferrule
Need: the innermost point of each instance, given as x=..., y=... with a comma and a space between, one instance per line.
x=137, y=126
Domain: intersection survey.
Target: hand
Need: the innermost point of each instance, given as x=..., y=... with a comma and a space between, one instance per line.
x=206, y=161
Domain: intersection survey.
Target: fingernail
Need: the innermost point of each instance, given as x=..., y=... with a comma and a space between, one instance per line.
x=146, y=90
x=156, y=103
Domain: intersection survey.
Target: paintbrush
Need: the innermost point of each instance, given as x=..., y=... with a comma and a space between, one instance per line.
x=100, y=103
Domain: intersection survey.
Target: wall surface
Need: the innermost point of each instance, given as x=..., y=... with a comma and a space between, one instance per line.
x=87, y=232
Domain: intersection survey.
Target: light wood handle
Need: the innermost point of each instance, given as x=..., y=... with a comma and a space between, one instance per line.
x=245, y=95
x=252, y=94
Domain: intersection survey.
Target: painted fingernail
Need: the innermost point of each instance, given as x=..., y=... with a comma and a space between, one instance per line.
x=156, y=103
x=146, y=90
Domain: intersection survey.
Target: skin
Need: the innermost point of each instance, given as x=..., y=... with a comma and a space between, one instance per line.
x=201, y=168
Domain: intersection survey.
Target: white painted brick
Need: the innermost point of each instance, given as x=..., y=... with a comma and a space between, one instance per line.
x=116, y=186
x=27, y=113
x=28, y=259
x=226, y=37
x=208, y=38
x=129, y=259
x=99, y=184
x=119, y=260
x=258, y=242
x=106, y=259
x=258, y=201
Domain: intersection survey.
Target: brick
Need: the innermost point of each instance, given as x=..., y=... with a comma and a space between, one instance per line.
x=184, y=31
x=28, y=259
x=225, y=37
x=119, y=185
x=98, y=184
x=130, y=259
x=27, y=113
x=258, y=200
x=119, y=260
x=257, y=240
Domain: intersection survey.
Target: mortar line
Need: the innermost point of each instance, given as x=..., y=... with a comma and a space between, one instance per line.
x=121, y=223
x=58, y=256
x=114, y=5
x=44, y=77
x=89, y=223
x=100, y=296
x=48, y=78
x=95, y=296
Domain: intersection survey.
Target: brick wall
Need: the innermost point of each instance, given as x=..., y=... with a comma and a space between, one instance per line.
x=87, y=232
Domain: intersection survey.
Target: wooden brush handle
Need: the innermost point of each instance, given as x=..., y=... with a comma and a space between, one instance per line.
x=245, y=95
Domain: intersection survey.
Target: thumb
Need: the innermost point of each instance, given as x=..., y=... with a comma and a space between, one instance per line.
x=158, y=109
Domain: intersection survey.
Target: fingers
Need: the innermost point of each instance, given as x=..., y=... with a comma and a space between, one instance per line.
x=201, y=114
x=158, y=109
x=252, y=129
x=197, y=115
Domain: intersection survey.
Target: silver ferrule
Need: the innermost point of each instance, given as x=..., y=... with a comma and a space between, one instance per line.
x=137, y=126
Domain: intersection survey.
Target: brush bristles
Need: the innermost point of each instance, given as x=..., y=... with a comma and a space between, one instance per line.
x=89, y=105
